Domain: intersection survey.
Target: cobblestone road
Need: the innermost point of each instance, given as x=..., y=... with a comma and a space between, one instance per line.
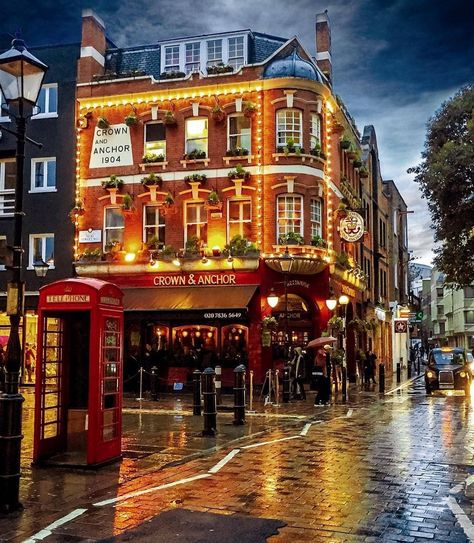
x=393, y=468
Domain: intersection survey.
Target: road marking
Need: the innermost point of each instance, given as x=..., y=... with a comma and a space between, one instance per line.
x=306, y=428
x=398, y=399
x=462, y=518
x=149, y=490
x=405, y=384
x=349, y=413
x=224, y=461
x=46, y=532
x=269, y=442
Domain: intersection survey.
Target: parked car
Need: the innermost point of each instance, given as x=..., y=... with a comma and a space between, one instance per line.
x=447, y=369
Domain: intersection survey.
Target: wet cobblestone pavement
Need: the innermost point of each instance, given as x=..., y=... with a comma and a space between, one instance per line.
x=387, y=468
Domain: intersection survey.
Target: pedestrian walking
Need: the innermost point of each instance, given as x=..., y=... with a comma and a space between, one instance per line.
x=297, y=364
x=2, y=368
x=323, y=382
x=371, y=363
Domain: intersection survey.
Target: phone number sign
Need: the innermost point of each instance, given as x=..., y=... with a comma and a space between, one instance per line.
x=226, y=315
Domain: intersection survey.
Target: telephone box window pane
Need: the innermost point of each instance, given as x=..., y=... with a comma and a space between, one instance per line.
x=110, y=401
x=110, y=370
x=110, y=385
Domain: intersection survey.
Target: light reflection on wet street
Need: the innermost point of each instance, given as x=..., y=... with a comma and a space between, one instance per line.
x=382, y=474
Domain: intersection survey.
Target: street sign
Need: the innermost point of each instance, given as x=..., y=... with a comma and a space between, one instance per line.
x=416, y=316
x=401, y=326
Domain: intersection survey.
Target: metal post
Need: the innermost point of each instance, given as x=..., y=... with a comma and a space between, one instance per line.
x=154, y=383
x=277, y=388
x=418, y=368
x=218, y=382
x=344, y=383
x=381, y=378
x=251, y=392
x=209, y=395
x=239, y=395
x=11, y=401
x=286, y=384
x=197, y=393
x=140, y=393
x=399, y=372
x=409, y=368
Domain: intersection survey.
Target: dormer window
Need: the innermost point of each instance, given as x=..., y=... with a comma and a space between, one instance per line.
x=193, y=57
x=236, y=52
x=214, y=52
x=172, y=58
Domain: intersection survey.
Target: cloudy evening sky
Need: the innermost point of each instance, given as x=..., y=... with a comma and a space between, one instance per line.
x=394, y=61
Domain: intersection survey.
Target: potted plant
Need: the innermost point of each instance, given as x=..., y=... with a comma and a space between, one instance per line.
x=218, y=113
x=239, y=173
x=269, y=322
x=127, y=203
x=357, y=163
x=150, y=158
x=196, y=178
x=113, y=182
x=220, y=68
x=154, y=244
x=363, y=172
x=151, y=180
x=345, y=142
x=131, y=119
x=77, y=211
x=195, y=154
x=169, y=118
x=249, y=108
x=192, y=247
x=318, y=241
x=113, y=247
x=291, y=238
x=168, y=200
x=316, y=149
x=102, y=122
x=90, y=255
x=175, y=74
x=342, y=260
x=213, y=200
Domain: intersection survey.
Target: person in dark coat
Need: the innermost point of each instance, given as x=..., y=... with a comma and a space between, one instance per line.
x=371, y=359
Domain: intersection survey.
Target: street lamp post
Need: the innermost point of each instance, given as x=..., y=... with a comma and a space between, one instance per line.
x=21, y=77
x=344, y=300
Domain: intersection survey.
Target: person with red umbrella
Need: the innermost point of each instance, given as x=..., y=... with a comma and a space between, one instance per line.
x=322, y=369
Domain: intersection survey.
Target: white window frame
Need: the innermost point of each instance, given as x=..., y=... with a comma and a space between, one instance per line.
x=236, y=61
x=44, y=236
x=110, y=228
x=282, y=231
x=172, y=67
x=316, y=224
x=288, y=131
x=3, y=238
x=202, y=218
x=6, y=193
x=241, y=220
x=145, y=141
x=214, y=61
x=196, y=64
x=229, y=135
x=47, y=114
x=186, y=139
x=46, y=161
x=315, y=129
x=159, y=226
x=3, y=117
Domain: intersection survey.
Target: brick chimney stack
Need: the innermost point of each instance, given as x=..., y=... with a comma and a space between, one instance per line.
x=93, y=45
x=323, y=44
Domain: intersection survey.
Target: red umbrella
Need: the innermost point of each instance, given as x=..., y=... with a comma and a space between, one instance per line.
x=321, y=341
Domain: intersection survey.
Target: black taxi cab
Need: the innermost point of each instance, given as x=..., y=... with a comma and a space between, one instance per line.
x=447, y=369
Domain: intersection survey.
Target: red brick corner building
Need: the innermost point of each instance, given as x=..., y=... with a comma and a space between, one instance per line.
x=201, y=161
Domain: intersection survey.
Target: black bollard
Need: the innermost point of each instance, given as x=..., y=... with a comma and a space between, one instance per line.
x=209, y=395
x=418, y=369
x=154, y=383
x=218, y=382
x=408, y=369
x=381, y=378
x=344, y=383
x=239, y=395
x=399, y=372
x=197, y=393
x=286, y=384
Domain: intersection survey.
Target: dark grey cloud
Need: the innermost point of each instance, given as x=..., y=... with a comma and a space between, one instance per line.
x=395, y=61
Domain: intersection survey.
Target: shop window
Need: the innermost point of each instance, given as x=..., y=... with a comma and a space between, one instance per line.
x=195, y=221
x=153, y=224
x=196, y=135
x=289, y=127
x=172, y=58
x=193, y=55
x=236, y=51
x=239, y=218
x=114, y=227
x=43, y=174
x=3, y=252
x=234, y=339
x=238, y=133
x=315, y=217
x=7, y=186
x=155, y=139
x=41, y=249
x=289, y=215
x=469, y=317
x=47, y=104
x=195, y=345
x=214, y=52
x=315, y=132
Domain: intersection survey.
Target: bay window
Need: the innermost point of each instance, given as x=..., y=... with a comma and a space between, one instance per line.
x=289, y=127
x=239, y=218
x=238, y=132
x=315, y=130
x=196, y=135
x=315, y=218
x=289, y=215
x=195, y=219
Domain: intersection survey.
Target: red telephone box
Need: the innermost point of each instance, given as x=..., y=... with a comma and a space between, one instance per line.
x=78, y=409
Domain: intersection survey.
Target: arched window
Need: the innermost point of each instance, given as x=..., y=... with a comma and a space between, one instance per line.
x=289, y=215
x=289, y=127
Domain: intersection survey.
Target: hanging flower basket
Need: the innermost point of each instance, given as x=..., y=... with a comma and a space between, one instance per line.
x=103, y=122
x=218, y=114
x=249, y=109
x=170, y=119
x=131, y=119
